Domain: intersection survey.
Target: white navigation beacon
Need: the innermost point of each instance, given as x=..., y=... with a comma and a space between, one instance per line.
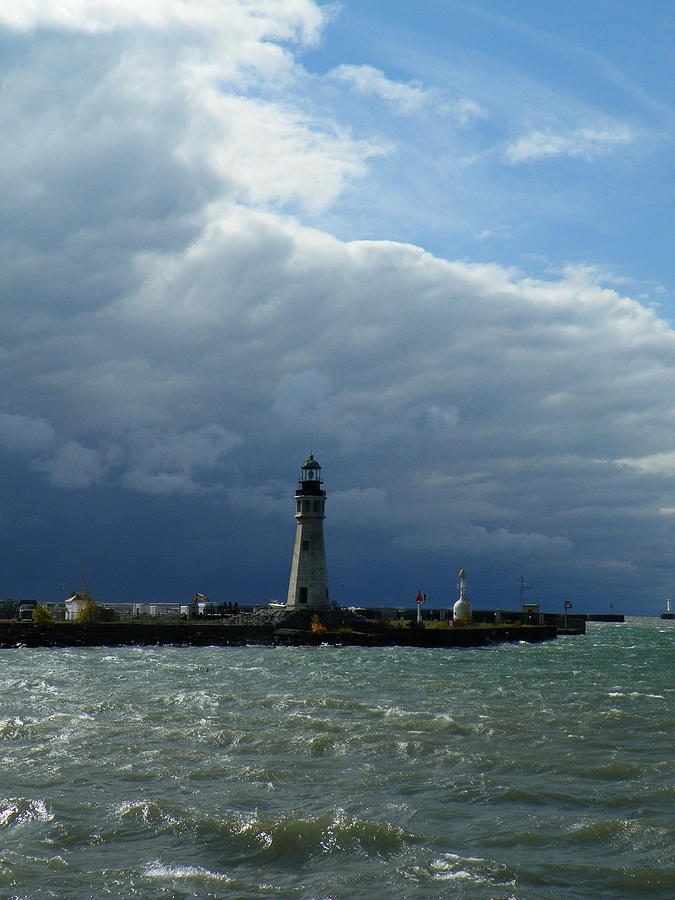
x=461, y=611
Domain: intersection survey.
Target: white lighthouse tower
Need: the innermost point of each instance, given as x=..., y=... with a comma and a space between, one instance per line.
x=308, y=583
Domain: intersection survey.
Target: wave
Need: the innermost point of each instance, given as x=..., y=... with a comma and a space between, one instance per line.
x=16, y=811
x=293, y=837
x=172, y=772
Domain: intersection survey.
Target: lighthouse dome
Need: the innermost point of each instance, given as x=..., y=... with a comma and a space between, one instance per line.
x=310, y=473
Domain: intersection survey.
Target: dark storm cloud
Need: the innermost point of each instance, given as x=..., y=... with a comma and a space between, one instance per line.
x=169, y=332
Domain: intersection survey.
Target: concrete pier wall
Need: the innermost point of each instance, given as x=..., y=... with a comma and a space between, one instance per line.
x=66, y=634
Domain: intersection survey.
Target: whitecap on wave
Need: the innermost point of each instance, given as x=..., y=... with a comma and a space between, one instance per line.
x=160, y=871
x=453, y=867
x=21, y=811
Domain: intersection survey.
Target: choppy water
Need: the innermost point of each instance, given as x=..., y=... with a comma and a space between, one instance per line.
x=519, y=771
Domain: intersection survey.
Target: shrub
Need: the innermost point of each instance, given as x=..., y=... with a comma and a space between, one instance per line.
x=317, y=627
x=42, y=616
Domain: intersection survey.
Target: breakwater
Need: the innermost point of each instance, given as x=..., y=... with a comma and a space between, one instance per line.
x=195, y=633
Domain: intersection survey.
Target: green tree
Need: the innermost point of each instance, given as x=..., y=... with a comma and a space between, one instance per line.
x=90, y=612
x=42, y=616
x=7, y=607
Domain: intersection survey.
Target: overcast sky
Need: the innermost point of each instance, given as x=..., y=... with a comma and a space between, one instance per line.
x=429, y=242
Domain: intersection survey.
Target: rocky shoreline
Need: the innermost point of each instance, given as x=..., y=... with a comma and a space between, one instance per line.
x=263, y=627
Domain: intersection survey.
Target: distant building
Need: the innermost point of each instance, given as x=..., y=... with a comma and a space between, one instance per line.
x=308, y=582
x=200, y=606
x=156, y=609
x=191, y=610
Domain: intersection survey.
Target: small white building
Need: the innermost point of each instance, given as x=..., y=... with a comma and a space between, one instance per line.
x=75, y=604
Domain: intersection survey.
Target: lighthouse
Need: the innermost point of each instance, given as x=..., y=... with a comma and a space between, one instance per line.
x=308, y=583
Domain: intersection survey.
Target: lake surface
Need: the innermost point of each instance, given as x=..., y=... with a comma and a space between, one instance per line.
x=516, y=771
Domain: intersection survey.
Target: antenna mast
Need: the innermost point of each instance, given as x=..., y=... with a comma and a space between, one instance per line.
x=522, y=587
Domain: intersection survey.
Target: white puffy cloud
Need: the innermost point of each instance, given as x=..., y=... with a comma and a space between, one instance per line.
x=126, y=142
x=405, y=98
x=272, y=19
x=586, y=143
x=310, y=163
x=408, y=98
x=466, y=112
